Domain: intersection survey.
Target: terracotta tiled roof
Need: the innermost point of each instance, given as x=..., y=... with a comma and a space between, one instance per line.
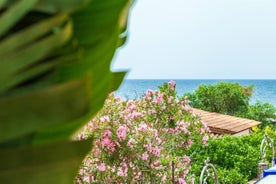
x=225, y=124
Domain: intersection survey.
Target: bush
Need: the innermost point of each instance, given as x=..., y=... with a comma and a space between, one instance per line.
x=235, y=158
x=231, y=176
x=235, y=154
x=226, y=98
x=137, y=140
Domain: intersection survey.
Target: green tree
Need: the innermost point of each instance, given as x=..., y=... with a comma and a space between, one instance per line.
x=54, y=76
x=227, y=98
x=232, y=99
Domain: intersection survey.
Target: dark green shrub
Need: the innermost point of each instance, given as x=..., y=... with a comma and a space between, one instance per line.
x=227, y=98
x=236, y=158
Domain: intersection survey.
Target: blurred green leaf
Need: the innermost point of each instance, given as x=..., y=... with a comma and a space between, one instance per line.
x=55, y=163
x=40, y=109
x=14, y=13
x=17, y=41
x=12, y=63
x=55, y=74
x=53, y=6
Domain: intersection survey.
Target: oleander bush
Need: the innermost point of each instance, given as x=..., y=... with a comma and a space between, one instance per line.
x=138, y=141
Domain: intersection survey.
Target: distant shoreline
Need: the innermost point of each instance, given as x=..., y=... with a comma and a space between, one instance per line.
x=264, y=89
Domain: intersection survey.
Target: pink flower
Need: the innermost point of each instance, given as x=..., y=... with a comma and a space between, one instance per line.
x=185, y=172
x=82, y=171
x=104, y=119
x=170, y=99
x=86, y=179
x=156, y=152
x=145, y=156
x=102, y=167
x=121, y=132
x=106, y=142
x=164, y=178
x=172, y=84
x=160, y=98
x=151, y=111
x=149, y=92
x=156, y=165
x=205, y=139
x=136, y=115
x=190, y=142
x=186, y=159
x=130, y=142
x=107, y=133
x=122, y=170
x=137, y=175
x=181, y=181
x=142, y=127
x=148, y=146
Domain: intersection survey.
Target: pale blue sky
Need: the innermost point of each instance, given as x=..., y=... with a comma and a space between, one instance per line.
x=200, y=39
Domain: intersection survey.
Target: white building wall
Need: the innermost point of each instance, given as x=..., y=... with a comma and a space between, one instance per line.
x=245, y=132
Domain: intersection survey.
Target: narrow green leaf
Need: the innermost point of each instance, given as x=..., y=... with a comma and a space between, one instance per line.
x=16, y=41
x=43, y=108
x=53, y=6
x=32, y=72
x=55, y=163
x=12, y=63
x=14, y=13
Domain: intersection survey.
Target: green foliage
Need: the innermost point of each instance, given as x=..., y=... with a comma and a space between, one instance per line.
x=264, y=112
x=235, y=158
x=55, y=57
x=231, y=176
x=233, y=99
x=227, y=98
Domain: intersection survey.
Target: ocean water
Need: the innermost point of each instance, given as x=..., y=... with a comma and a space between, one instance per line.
x=264, y=90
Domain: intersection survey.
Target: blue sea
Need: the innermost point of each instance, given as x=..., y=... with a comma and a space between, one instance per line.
x=264, y=90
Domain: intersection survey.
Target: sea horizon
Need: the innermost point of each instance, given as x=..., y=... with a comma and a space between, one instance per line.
x=264, y=89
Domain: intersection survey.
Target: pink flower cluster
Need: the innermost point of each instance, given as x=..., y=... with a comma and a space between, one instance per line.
x=136, y=140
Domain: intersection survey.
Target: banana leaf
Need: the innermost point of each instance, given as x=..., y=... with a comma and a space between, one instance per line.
x=55, y=58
